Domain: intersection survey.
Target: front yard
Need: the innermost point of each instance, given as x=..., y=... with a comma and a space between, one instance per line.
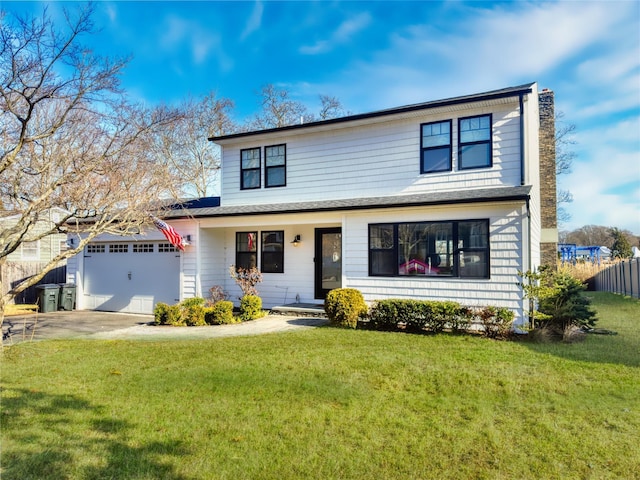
x=327, y=404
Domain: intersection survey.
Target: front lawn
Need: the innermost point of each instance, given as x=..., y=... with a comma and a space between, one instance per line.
x=327, y=404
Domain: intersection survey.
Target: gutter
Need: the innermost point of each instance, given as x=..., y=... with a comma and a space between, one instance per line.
x=522, y=176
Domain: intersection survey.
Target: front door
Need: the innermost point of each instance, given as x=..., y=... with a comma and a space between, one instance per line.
x=328, y=269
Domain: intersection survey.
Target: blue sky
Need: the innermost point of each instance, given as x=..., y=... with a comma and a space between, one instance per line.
x=379, y=54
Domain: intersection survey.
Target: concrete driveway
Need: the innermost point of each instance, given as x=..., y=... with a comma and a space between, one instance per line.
x=107, y=325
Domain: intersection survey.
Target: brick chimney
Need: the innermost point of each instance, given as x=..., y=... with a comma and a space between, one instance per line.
x=548, y=198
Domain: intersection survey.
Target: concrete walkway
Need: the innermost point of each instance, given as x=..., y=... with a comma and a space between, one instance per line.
x=106, y=325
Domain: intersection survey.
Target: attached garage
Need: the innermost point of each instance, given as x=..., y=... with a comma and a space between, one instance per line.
x=130, y=277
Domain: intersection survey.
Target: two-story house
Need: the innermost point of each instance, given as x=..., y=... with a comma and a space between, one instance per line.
x=437, y=200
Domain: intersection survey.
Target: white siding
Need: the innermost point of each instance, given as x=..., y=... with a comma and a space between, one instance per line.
x=506, y=227
x=374, y=160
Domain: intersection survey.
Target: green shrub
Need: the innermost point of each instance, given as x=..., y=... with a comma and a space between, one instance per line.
x=559, y=298
x=221, y=313
x=344, y=306
x=497, y=321
x=174, y=316
x=383, y=315
x=419, y=315
x=193, y=314
x=193, y=301
x=250, y=308
x=160, y=312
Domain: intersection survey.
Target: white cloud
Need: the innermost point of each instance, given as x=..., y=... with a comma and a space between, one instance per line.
x=201, y=43
x=254, y=21
x=345, y=31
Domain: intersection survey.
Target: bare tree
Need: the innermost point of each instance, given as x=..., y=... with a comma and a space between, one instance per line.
x=70, y=141
x=564, y=162
x=331, y=107
x=184, y=145
x=279, y=110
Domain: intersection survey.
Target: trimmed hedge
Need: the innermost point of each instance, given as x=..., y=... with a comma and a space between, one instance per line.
x=437, y=316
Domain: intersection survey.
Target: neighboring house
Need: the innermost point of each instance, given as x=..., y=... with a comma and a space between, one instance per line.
x=438, y=200
x=43, y=250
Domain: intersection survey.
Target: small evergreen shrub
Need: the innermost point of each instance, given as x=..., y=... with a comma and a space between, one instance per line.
x=250, y=308
x=193, y=314
x=221, y=313
x=174, y=316
x=160, y=312
x=344, y=306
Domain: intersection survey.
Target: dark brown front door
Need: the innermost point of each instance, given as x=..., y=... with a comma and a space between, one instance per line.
x=328, y=271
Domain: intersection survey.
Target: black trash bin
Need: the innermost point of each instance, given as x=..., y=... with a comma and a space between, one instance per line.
x=67, y=299
x=48, y=297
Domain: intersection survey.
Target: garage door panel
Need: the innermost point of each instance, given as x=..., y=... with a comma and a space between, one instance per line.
x=131, y=277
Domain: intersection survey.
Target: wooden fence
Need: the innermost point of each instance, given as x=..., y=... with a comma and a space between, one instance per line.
x=622, y=278
x=15, y=272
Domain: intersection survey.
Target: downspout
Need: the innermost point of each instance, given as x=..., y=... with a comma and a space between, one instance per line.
x=529, y=266
x=522, y=176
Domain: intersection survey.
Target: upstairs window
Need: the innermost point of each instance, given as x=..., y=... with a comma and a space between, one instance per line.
x=250, y=168
x=435, y=145
x=474, y=147
x=275, y=166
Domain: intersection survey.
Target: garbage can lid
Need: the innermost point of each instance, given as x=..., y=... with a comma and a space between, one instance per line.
x=47, y=286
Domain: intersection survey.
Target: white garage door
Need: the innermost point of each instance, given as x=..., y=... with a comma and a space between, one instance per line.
x=130, y=277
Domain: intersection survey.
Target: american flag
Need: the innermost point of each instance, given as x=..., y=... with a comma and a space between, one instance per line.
x=250, y=239
x=169, y=232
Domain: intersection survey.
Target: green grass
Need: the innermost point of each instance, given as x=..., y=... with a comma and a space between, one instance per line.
x=327, y=404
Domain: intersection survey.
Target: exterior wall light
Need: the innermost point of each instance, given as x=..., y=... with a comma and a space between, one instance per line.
x=296, y=241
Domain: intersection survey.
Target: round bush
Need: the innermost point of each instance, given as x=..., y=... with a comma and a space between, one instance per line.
x=344, y=306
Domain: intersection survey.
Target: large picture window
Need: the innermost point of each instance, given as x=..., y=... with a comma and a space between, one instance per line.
x=250, y=168
x=275, y=166
x=435, y=144
x=474, y=142
x=246, y=250
x=272, y=252
x=444, y=249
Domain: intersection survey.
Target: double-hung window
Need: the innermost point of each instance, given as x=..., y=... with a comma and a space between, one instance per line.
x=250, y=168
x=442, y=249
x=474, y=142
x=272, y=260
x=275, y=166
x=435, y=144
x=246, y=250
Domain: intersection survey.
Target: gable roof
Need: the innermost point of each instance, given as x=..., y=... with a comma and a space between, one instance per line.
x=480, y=195
x=502, y=93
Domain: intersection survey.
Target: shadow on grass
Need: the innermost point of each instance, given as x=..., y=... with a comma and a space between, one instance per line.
x=50, y=436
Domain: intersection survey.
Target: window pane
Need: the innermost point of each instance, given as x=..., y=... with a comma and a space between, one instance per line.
x=436, y=134
x=475, y=155
x=275, y=155
x=250, y=158
x=425, y=249
x=275, y=177
x=474, y=264
x=476, y=129
x=251, y=179
x=436, y=159
x=381, y=236
x=246, y=241
x=383, y=262
x=473, y=234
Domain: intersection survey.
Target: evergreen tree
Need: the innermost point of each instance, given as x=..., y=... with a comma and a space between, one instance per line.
x=621, y=247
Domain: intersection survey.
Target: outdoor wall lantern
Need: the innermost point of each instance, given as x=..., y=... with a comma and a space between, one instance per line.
x=296, y=241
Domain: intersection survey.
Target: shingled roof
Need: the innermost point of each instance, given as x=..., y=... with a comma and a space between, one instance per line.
x=481, y=195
